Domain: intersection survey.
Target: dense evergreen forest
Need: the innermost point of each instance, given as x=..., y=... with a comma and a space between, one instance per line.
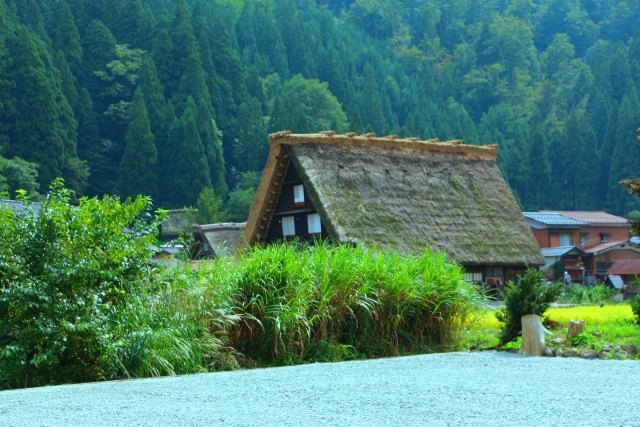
x=174, y=98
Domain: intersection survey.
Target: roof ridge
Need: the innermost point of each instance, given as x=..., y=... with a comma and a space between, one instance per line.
x=488, y=152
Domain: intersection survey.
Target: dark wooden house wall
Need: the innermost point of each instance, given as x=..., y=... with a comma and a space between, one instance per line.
x=286, y=207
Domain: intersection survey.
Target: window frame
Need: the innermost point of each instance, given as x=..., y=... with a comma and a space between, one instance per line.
x=315, y=220
x=298, y=195
x=565, y=236
x=288, y=226
x=584, y=238
x=473, y=277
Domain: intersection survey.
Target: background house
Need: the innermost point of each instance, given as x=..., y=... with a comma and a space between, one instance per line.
x=178, y=223
x=401, y=194
x=569, y=256
x=214, y=240
x=602, y=239
x=628, y=270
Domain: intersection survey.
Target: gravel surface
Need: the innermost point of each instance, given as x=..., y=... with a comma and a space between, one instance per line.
x=451, y=389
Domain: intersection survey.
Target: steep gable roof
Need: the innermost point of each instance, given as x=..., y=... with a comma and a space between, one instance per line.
x=401, y=194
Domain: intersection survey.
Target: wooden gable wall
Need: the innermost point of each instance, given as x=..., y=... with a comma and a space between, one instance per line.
x=288, y=210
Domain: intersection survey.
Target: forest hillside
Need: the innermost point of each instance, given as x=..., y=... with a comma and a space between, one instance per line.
x=175, y=98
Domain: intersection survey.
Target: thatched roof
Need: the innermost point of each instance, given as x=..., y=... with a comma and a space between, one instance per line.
x=222, y=238
x=402, y=194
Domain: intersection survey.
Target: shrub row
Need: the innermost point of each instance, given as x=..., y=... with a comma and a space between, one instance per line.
x=79, y=301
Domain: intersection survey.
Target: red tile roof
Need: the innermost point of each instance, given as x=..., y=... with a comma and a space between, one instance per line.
x=628, y=266
x=604, y=246
x=595, y=217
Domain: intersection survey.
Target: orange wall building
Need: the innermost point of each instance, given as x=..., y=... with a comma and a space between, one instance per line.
x=603, y=237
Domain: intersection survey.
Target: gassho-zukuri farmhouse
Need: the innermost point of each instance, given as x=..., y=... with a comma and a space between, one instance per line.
x=392, y=193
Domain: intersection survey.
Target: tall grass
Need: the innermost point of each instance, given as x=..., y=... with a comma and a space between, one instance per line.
x=302, y=303
x=290, y=303
x=174, y=325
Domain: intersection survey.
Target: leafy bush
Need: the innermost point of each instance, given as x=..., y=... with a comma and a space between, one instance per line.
x=529, y=296
x=635, y=307
x=66, y=268
x=585, y=295
x=583, y=339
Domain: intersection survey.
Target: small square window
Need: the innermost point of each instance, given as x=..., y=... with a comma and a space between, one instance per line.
x=473, y=277
x=288, y=226
x=298, y=194
x=583, y=239
x=313, y=223
x=564, y=239
x=604, y=238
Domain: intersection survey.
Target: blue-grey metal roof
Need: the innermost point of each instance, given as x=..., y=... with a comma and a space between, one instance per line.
x=616, y=281
x=552, y=218
x=559, y=251
x=19, y=207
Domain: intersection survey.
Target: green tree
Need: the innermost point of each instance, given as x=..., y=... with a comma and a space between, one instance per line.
x=633, y=186
x=138, y=172
x=43, y=127
x=307, y=106
x=371, y=104
x=188, y=171
x=625, y=161
x=251, y=147
x=155, y=102
x=241, y=198
x=99, y=47
x=67, y=79
x=528, y=296
x=67, y=38
x=379, y=18
x=209, y=207
x=17, y=174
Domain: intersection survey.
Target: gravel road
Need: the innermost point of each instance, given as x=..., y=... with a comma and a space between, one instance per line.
x=451, y=389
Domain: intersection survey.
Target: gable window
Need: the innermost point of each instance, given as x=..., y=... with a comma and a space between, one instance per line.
x=604, y=238
x=313, y=223
x=298, y=195
x=564, y=239
x=288, y=226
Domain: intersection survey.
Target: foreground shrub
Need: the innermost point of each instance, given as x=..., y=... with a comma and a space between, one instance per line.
x=65, y=268
x=529, y=296
x=326, y=302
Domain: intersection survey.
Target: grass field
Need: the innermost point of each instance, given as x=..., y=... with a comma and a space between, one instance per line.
x=604, y=325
